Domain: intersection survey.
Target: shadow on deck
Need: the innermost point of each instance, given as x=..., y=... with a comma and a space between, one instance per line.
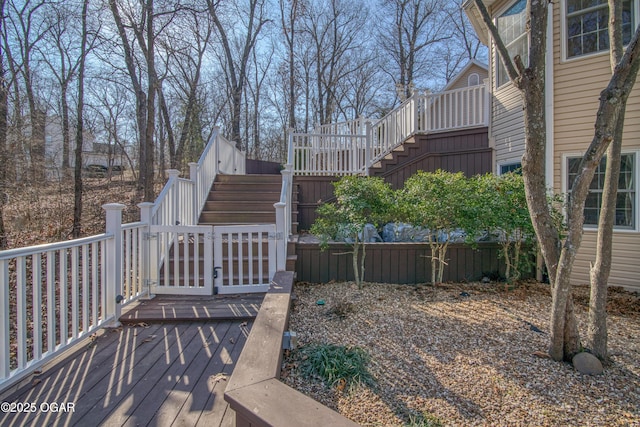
x=144, y=373
x=175, y=308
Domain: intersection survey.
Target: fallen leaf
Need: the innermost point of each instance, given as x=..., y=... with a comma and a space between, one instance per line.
x=36, y=381
x=541, y=354
x=218, y=377
x=231, y=340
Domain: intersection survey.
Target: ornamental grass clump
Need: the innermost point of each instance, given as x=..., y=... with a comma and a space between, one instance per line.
x=338, y=366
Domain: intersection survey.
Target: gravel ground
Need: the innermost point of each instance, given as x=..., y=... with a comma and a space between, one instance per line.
x=465, y=355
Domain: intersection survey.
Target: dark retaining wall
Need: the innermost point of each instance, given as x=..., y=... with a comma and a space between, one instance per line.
x=262, y=167
x=403, y=263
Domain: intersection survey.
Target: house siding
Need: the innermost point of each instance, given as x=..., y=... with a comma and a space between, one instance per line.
x=507, y=130
x=577, y=86
x=461, y=80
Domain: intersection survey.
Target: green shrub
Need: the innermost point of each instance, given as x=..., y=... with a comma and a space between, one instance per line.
x=360, y=200
x=337, y=366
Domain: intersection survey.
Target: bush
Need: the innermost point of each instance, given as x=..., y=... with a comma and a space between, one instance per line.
x=359, y=201
x=337, y=366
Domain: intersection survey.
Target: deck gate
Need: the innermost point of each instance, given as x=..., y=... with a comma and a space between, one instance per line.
x=183, y=257
x=191, y=260
x=244, y=257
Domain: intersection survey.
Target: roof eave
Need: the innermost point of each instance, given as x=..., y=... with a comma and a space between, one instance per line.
x=476, y=19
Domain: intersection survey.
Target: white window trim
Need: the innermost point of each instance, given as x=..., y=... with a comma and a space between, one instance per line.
x=477, y=77
x=563, y=34
x=496, y=55
x=586, y=227
x=507, y=163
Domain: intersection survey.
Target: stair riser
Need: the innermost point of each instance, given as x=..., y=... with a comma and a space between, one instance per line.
x=222, y=206
x=272, y=197
x=238, y=218
x=249, y=187
x=274, y=179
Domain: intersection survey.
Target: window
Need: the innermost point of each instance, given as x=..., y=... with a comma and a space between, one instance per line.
x=512, y=27
x=587, y=24
x=511, y=167
x=625, y=206
x=473, y=79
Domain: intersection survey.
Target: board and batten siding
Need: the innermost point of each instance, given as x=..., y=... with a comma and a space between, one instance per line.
x=577, y=86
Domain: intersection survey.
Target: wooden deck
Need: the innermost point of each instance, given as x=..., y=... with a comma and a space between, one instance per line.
x=138, y=375
x=177, y=308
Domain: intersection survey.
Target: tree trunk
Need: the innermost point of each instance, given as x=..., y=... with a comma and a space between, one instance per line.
x=149, y=191
x=4, y=116
x=141, y=98
x=356, y=247
x=66, y=138
x=597, y=336
x=78, y=185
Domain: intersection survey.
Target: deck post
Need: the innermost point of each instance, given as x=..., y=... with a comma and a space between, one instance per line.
x=290, y=147
x=367, y=147
x=174, y=202
x=147, y=261
x=216, y=144
x=281, y=239
x=287, y=175
x=113, y=262
x=193, y=176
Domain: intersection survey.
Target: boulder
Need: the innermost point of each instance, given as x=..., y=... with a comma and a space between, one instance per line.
x=587, y=364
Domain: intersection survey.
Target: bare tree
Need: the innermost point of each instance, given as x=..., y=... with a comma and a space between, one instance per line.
x=4, y=115
x=77, y=176
x=289, y=14
x=245, y=40
x=559, y=253
x=29, y=29
x=463, y=46
x=142, y=25
x=336, y=32
x=416, y=25
x=187, y=56
x=600, y=269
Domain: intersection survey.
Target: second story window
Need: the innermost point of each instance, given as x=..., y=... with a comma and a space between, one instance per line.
x=512, y=27
x=587, y=23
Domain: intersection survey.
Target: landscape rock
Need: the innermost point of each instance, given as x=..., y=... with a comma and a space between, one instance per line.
x=587, y=364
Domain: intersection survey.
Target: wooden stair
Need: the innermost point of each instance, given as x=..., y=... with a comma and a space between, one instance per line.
x=237, y=200
x=464, y=150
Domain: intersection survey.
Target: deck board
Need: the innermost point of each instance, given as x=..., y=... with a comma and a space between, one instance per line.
x=155, y=375
x=189, y=308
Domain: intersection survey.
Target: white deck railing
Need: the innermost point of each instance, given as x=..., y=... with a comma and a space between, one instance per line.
x=53, y=295
x=181, y=200
x=353, y=147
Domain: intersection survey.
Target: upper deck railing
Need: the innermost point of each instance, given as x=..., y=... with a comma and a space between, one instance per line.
x=353, y=147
